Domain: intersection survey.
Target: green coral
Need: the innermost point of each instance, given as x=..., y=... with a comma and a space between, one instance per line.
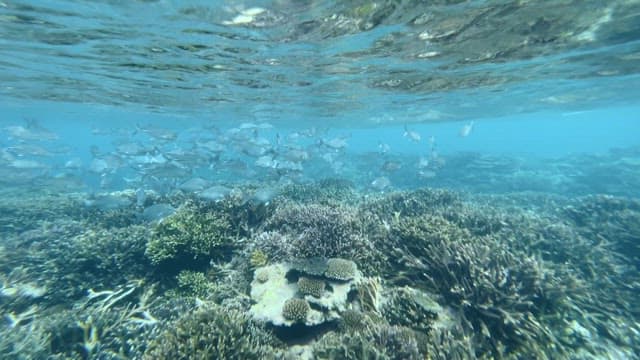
x=295, y=309
x=194, y=232
x=194, y=283
x=311, y=286
x=213, y=333
x=258, y=259
x=340, y=269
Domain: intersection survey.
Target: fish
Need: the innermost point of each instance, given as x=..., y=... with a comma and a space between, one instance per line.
x=212, y=146
x=141, y=197
x=381, y=183
x=295, y=155
x=466, y=129
x=157, y=212
x=108, y=202
x=132, y=149
x=391, y=166
x=28, y=150
x=98, y=166
x=383, y=148
x=289, y=166
x=423, y=162
x=411, y=135
x=427, y=174
x=264, y=195
x=194, y=184
x=337, y=143
x=215, y=193
x=159, y=134
x=25, y=164
x=74, y=163
x=33, y=131
x=266, y=162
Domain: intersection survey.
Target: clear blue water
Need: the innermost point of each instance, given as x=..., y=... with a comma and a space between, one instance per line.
x=562, y=82
x=524, y=112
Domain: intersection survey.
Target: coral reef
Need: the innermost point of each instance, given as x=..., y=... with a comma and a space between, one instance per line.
x=296, y=310
x=213, y=333
x=195, y=232
x=320, y=231
x=490, y=287
x=65, y=256
x=193, y=283
x=311, y=286
x=340, y=269
x=447, y=277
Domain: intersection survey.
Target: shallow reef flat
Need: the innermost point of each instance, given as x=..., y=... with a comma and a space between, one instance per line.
x=320, y=271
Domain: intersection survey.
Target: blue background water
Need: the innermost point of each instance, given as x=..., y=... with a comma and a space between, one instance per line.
x=540, y=134
x=538, y=82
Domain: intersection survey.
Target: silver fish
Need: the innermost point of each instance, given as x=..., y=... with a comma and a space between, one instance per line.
x=381, y=183
x=466, y=129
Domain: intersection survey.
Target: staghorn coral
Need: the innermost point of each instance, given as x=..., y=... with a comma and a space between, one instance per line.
x=492, y=288
x=411, y=308
x=398, y=342
x=212, y=333
x=366, y=336
x=68, y=256
x=194, y=232
x=24, y=342
x=348, y=346
x=107, y=322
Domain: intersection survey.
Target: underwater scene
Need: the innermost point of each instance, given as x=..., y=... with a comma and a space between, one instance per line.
x=316, y=179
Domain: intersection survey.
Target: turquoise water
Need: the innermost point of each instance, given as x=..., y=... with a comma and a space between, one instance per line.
x=319, y=179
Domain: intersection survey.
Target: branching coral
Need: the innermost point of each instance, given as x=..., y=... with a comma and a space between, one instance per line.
x=320, y=231
x=195, y=231
x=340, y=269
x=295, y=309
x=311, y=286
x=213, y=333
x=493, y=289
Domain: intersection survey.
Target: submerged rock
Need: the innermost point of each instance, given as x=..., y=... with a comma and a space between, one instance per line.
x=275, y=288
